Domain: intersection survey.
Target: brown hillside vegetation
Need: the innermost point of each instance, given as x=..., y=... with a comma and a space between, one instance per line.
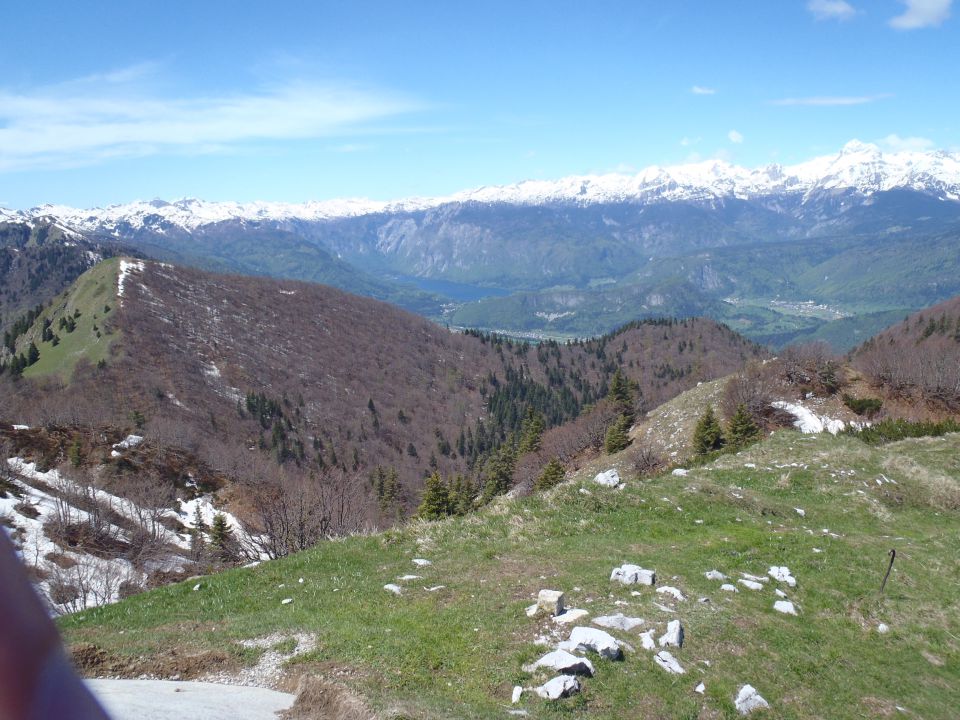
x=303, y=383
x=918, y=360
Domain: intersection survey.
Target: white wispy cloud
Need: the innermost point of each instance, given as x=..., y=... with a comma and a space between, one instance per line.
x=95, y=118
x=735, y=137
x=831, y=100
x=896, y=143
x=701, y=90
x=921, y=14
x=688, y=141
x=831, y=9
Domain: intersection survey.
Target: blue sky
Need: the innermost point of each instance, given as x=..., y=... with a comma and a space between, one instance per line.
x=107, y=102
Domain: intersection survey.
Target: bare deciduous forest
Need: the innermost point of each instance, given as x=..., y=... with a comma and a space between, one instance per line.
x=270, y=382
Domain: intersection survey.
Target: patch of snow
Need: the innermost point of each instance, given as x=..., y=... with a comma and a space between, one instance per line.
x=126, y=269
x=806, y=421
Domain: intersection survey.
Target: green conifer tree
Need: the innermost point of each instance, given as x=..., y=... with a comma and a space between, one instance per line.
x=708, y=435
x=531, y=430
x=552, y=475
x=617, y=437
x=742, y=430
x=221, y=536
x=435, y=502
x=498, y=473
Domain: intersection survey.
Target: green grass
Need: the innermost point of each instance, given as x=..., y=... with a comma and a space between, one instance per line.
x=457, y=652
x=90, y=294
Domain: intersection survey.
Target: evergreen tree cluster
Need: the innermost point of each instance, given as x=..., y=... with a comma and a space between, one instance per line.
x=441, y=498
x=709, y=435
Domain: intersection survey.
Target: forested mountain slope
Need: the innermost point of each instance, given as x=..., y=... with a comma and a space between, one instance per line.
x=266, y=378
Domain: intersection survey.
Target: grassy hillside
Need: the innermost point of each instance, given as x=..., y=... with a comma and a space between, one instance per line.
x=457, y=651
x=39, y=260
x=90, y=304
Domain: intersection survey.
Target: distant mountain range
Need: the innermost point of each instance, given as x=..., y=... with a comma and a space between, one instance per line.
x=858, y=166
x=583, y=254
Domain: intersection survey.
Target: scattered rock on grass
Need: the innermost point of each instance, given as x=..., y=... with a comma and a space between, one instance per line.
x=646, y=640
x=390, y=587
x=550, y=601
x=598, y=641
x=727, y=587
x=668, y=662
x=701, y=688
x=714, y=575
x=752, y=584
x=286, y=601
x=570, y=615
x=610, y=478
x=618, y=622
x=559, y=687
x=748, y=700
x=633, y=575
x=564, y=663
x=672, y=592
x=673, y=636
x=883, y=628
x=782, y=574
x=420, y=562
x=785, y=606
x=517, y=693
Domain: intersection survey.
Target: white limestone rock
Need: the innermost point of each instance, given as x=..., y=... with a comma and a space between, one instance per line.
x=780, y=593
x=395, y=589
x=673, y=636
x=727, y=587
x=563, y=662
x=516, y=695
x=701, y=689
x=801, y=512
x=680, y=472
x=402, y=578
x=782, y=574
x=755, y=578
x=668, y=662
x=598, y=641
x=550, y=601
x=714, y=575
x=610, y=478
x=618, y=621
x=420, y=562
x=646, y=640
x=560, y=687
x=628, y=574
x=672, y=592
x=571, y=615
x=752, y=584
x=883, y=628
x=785, y=606
x=748, y=700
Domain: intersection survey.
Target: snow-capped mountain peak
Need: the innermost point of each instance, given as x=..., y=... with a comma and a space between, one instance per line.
x=859, y=166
